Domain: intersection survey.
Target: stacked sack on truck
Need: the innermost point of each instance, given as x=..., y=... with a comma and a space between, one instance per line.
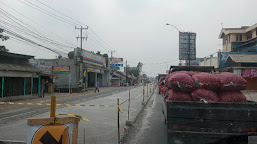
x=179, y=86
x=206, y=87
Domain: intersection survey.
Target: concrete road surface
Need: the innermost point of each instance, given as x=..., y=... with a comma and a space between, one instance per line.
x=102, y=127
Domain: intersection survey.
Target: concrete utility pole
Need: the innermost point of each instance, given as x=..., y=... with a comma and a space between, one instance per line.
x=111, y=53
x=81, y=58
x=126, y=71
x=81, y=37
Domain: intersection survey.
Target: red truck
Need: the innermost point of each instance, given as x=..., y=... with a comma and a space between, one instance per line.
x=161, y=78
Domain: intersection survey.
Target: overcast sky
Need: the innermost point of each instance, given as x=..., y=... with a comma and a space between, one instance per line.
x=135, y=28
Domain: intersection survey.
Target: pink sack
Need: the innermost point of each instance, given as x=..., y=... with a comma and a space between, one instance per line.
x=205, y=95
x=232, y=97
x=231, y=82
x=178, y=96
x=206, y=80
x=181, y=82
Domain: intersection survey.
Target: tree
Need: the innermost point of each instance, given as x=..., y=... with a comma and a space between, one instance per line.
x=135, y=72
x=98, y=53
x=4, y=49
x=105, y=55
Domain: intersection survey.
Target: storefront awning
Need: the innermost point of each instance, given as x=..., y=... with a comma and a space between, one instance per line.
x=242, y=58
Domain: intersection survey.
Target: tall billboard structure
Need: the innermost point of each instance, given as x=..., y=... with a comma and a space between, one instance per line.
x=187, y=48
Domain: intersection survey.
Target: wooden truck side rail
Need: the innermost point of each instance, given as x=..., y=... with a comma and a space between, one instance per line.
x=233, y=118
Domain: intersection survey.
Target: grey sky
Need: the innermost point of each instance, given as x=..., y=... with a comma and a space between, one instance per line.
x=136, y=28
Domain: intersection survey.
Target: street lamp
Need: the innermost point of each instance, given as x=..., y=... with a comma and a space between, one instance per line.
x=173, y=26
x=178, y=31
x=188, y=51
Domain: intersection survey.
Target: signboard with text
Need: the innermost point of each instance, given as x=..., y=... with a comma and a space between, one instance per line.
x=117, y=62
x=187, y=46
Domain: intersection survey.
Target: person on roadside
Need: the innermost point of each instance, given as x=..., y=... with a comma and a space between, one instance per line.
x=97, y=87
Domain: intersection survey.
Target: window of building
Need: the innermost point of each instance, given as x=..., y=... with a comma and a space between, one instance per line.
x=239, y=37
x=249, y=35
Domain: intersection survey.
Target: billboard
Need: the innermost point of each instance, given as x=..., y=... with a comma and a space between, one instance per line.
x=187, y=46
x=61, y=69
x=116, y=62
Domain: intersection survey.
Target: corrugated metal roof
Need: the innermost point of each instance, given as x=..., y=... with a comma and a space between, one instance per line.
x=242, y=58
x=16, y=67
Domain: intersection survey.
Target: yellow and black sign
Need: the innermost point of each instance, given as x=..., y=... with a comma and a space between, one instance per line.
x=52, y=130
x=51, y=134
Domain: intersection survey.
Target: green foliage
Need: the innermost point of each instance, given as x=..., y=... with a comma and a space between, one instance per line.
x=134, y=72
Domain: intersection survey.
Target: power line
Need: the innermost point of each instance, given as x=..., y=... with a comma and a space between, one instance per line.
x=27, y=39
x=103, y=45
x=32, y=34
x=47, y=12
x=101, y=42
x=76, y=21
x=60, y=12
x=53, y=34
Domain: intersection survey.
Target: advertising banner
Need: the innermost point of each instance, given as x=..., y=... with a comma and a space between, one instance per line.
x=249, y=73
x=61, y=69
x=116, y=62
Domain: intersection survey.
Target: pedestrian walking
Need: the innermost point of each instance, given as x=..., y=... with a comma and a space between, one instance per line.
x=97, y=87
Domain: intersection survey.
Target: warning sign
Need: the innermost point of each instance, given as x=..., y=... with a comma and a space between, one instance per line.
x=52, y=131
x=51, y=134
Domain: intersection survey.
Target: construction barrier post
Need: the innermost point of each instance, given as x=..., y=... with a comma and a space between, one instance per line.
x=118, y=107
x=53, y=106
x=128, y=104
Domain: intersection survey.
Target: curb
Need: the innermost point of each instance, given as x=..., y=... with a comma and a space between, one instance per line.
x=124, y=135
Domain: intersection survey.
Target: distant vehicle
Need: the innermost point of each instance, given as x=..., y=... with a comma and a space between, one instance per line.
x=197, y=122
x=161, y=82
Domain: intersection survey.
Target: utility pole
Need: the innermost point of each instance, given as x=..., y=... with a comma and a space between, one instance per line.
x=81, y=37
x=81, y=73
x=111, y=53
x=126, y=71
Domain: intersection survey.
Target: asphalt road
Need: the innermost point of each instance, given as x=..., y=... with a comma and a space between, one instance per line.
x=102, y=127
